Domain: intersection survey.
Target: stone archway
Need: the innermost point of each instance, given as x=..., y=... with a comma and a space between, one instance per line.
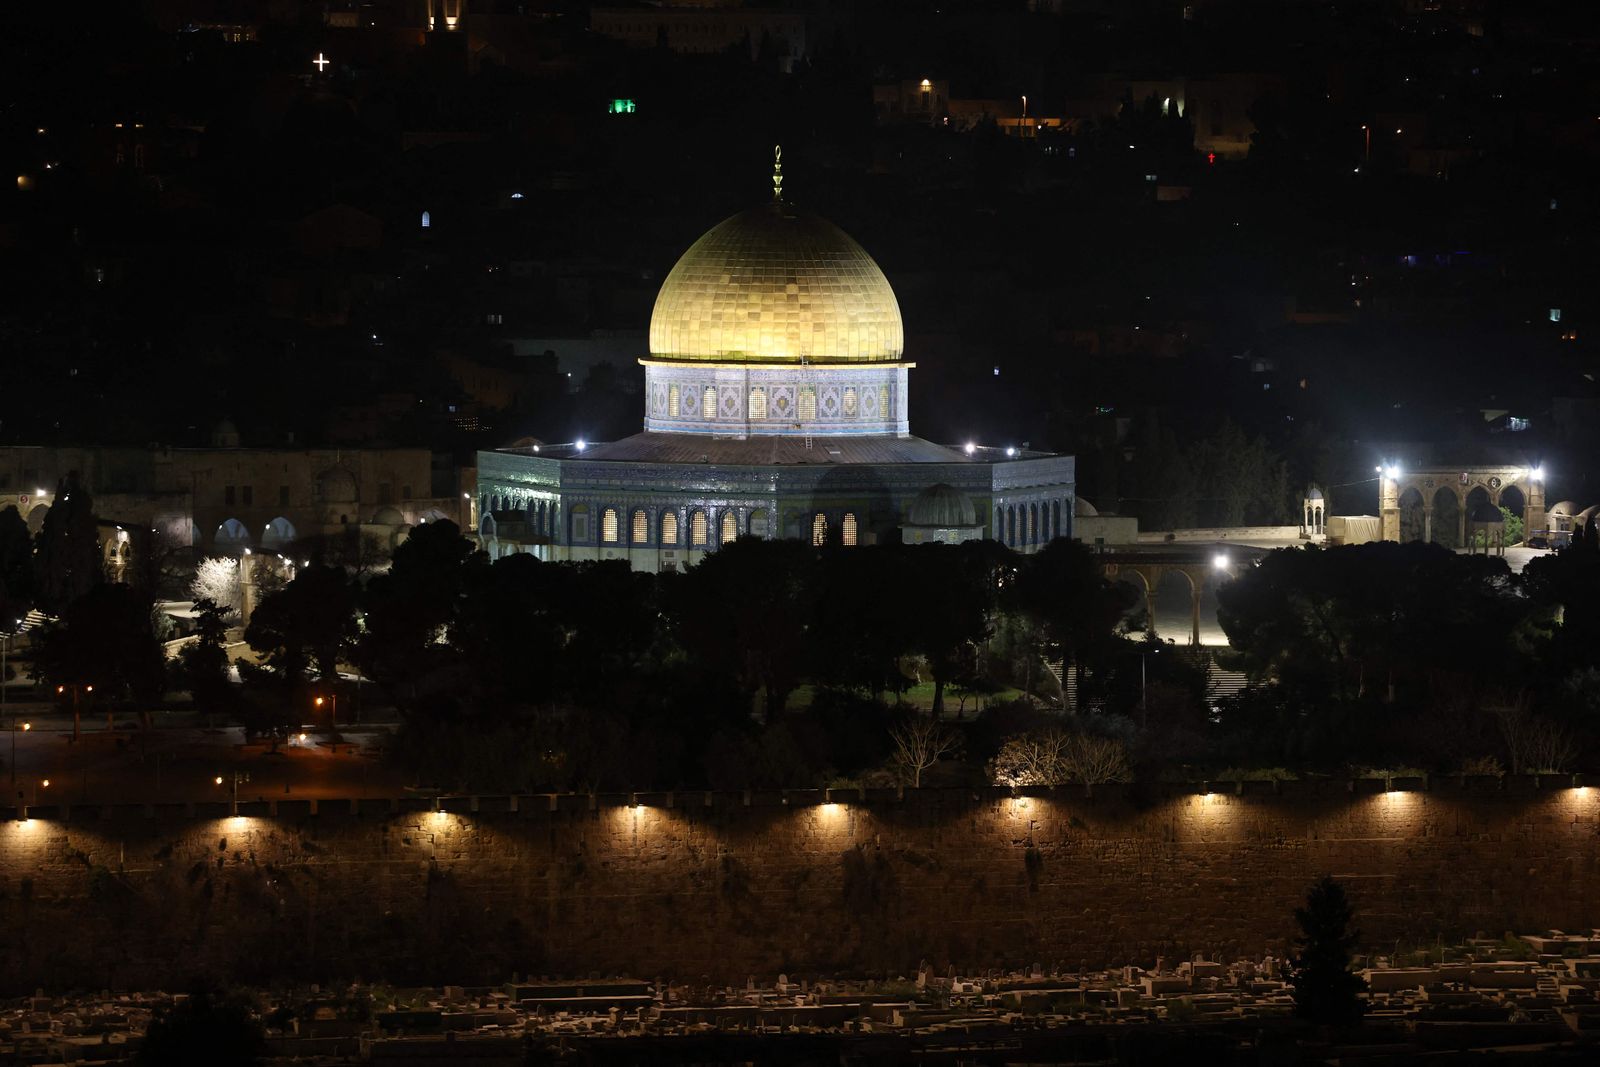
x=1445, y=518
x=1413, y=516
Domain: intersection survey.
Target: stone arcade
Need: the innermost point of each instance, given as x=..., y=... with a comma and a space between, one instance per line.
x=776, y=406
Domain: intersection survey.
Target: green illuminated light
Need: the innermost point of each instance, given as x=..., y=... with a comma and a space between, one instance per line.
x=621, y=107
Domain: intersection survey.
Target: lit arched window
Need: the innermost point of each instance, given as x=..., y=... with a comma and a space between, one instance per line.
x=641, y=527
x=819, y=529
x=708, y=403
x=849, y=528
x=427, y=220
x=669, y=528
x=730, y=525
x=697, y=529
x=886, y=403
x=672, y=401
x=608, y=526
x=850, y=406
x=758, y=404
x=808, y=404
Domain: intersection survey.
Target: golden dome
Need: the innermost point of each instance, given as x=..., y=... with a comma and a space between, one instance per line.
x=773, y=285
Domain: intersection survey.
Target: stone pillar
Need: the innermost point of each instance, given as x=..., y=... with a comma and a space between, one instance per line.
x=1194, y=604
x=1150, y=600
x=1461, y=523
x=1389, y=507
x=1533, y=516
x=1427, y=522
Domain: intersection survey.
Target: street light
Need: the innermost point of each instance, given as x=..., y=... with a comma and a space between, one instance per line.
x=333, y=709
x=25, y=728
x=77, y=689
x=233, y=778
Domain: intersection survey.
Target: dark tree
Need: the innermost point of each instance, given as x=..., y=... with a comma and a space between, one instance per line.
x=410, y=606
x=106, y=639
x=744, y=611
x=204, y=1030
x=306, y=626
x=951, y=600
x=1325, y=989
x=1063, y=590
x=203, y=664
x=16, y=569
x=67, y=556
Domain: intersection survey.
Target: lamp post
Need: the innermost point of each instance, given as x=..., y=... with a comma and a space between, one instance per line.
x=77, y=689
x=332, y=700
x=233, y=778
x=25, y=728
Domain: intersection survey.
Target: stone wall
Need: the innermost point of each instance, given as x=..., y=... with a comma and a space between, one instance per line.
x=727, y=885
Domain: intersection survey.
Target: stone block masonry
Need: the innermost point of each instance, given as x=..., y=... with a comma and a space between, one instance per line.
x=722, y=886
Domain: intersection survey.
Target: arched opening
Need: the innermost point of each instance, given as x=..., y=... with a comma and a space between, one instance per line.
x=669, y=528
x=708, y=403
x=1011, y=526
x=819, y=529
x=1137, y=618
x=730, y=526
x=848, y=528
x=641, y=527
x=231, y=536
x=698, y=529
x=1033, y=524
x=279, y=533
x=759, y=521
x=1477, y=500
x=609, y=526
x=1513, y=499
x=36, y=517
x=1446, y=518
x=579, y=516
x=1055, y=520
x=1413, y=524
x=758, y=404
x=998, y=532
x=1174, y=606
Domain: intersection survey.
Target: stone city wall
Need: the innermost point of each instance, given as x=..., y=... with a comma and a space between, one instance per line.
x=727, y=885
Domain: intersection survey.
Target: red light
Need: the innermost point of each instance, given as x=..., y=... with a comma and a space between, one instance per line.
x=1211, y=158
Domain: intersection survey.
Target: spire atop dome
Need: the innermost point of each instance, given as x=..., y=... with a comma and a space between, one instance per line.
x=777, y=173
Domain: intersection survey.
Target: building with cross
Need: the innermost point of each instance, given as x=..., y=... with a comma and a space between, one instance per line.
x=777, y=406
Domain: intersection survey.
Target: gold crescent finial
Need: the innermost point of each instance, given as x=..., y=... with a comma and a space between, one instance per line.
x=777, y=172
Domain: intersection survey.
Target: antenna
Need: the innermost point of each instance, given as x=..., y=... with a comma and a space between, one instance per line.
x=777, y=173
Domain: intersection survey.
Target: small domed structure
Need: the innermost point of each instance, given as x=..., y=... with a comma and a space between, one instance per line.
x=225, y=435
x=941, y=512
x=942, y=505
x=1082, y=509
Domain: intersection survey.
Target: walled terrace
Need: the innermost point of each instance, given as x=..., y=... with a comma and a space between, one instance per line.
x=715, y=887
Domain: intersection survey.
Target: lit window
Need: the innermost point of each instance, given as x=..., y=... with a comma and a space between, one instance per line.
x=850, y=407
x=669, y=528
x=758, y=404
x=730, y=526
x=849, y=528
x=819, y=529
x=641, y=527
x=1555, y=314
x=608, y=526
x=672, y=401
x=427, y=220
x=697, y=529
x=708, y=403
x=808, y=405
x=886, y=403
